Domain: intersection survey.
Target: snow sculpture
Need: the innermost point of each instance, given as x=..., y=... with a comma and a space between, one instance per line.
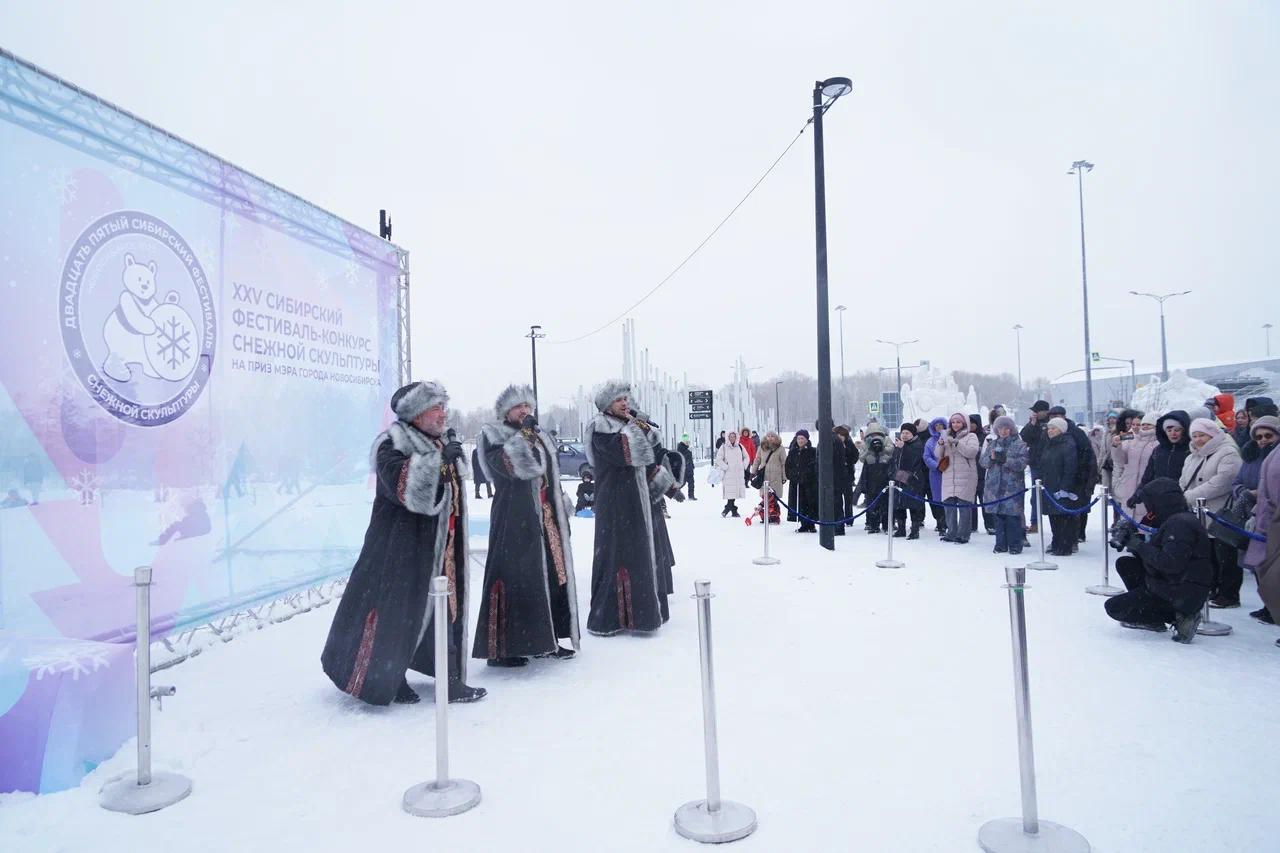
x=936, y=395
x=1180, y=392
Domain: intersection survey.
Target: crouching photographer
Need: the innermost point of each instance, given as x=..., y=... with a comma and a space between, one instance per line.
x=1168, y=579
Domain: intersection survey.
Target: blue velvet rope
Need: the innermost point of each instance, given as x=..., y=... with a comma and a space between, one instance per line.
x=966, y=504
x=800, y=514
x=1129, y=518
x=1227, y=524
x=1080, y=511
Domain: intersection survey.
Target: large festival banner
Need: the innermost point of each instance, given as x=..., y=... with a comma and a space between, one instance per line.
x=193, y=364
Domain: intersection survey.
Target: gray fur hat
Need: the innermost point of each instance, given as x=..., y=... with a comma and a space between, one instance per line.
x=609, y=391
x=416, y=397
x=512, y=396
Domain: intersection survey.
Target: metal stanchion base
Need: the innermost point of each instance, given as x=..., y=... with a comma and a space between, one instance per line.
x=428, y=800
x=1213, y=629
x=889, y=564
x=1103, y=589
x=766, y=561
x=124, y=794
x=731, y=822
x=1042, y=566
x=1006, y=836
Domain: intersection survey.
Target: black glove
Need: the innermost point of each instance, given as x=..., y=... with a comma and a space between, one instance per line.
x=677, y=496
x=1134, y=541
x=999, y=456
x=452, y=452
x=528, y=422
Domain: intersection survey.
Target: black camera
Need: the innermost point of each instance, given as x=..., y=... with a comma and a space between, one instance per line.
x=877, y=444
x=1121, y=534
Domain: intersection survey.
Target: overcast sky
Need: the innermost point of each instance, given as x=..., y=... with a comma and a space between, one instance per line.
x=550, y=162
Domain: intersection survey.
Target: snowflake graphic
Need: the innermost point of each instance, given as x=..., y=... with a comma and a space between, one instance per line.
x=63, y=185
x=75, y=658
x=352, y=272
x=175, y=342
x=85, y=483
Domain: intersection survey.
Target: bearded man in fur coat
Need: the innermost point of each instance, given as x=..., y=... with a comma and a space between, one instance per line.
x=417, y=532
x=529, y=600
x=631, y=575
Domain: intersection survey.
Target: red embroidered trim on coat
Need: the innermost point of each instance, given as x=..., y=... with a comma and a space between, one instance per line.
x=364, y=654
x=626, y=616
x=402, y=482
x=497, y=622
x=626, y=449
x=552, y=532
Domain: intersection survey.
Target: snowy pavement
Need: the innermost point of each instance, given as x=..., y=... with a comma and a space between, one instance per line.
x=860, y=709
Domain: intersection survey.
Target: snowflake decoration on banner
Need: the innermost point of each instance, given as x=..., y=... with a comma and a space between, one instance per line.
x=352, y=272
x=175, y=343
x=74, y=658
x=85, y=483
x=63, y=185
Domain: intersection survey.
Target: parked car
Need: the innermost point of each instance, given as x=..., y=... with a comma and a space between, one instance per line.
x=571, y=457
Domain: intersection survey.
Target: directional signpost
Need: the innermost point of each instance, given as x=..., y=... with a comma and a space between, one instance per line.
x=702, y=408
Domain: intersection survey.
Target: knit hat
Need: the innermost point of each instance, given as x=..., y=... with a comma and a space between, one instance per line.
x=1151, y=419
x=609, y=391
x=684, y=437
x=1058, y=412
x=1205, y=426
x=1270, y=422
x=908, y=426
x=874, y=428
x=511, y=397
x=803, y=432
x=1059, y=424
x=1005, y=421
x=416, y=397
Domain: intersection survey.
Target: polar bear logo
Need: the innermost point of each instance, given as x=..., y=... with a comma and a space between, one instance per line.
x=129, y=325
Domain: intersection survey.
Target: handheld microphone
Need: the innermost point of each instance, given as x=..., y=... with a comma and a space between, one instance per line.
x=636, y=415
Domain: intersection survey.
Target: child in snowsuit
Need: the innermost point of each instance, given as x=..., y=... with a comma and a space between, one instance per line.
x=877, y=468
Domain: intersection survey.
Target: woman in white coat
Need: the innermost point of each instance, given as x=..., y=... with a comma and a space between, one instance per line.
x=731, y=461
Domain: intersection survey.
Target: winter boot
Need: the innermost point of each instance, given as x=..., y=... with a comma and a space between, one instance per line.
x=915, y=532
x=509, y=663
x=1224, y=602
x=1158, y=627
x=727, y=509
x=561, y=653
x=899, y=528
x=459, y=692
x=1184, y=629
x=1263, y=616
x=405, y=695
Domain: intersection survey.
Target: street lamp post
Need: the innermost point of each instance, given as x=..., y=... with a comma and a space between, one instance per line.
x=832, y=89
x=535, y=332
x=1266, y=329
x=1164, y=349
x=1078, y=168
x=897, y=347
x=777, y=407
x=844, y=392
x=1017, y=330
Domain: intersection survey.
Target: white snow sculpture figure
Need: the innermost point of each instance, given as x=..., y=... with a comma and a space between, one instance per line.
x=1180, y=392
x=159, y=337
x=128, y=326
x=936, y=395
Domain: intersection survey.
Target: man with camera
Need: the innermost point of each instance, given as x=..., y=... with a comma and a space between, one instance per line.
x=1168, y=579
x=529, y=602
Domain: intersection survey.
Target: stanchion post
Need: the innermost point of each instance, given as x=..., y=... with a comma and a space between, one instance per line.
x=713, y=820
x=888, y=562
x=1041, y=565
x=1207, y=626
x=1105, y=588
x=443, y=797
x=1027, y=833
x=765, y=559
x=142, y=790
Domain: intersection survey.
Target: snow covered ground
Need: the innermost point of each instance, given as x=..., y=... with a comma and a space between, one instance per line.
x=860, y=709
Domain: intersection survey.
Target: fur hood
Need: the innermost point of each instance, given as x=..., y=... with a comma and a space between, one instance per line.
x=512, y=396
x=609, y=391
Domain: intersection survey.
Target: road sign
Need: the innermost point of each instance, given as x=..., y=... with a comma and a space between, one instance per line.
x=700, y=407
x=699, y=416
x=1096, y=356
x=699, y=396
x=873, y=407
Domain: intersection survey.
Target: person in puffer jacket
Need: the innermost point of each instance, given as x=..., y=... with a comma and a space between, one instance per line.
x=1168, y=578
x=877, y=470
x=1173, y=432
x=1209, y=472
x=1004, y=457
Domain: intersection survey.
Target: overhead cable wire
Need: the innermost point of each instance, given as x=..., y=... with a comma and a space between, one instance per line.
x=705, y=240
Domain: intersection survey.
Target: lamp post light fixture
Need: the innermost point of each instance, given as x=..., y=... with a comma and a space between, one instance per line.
x=1078, y=168
x=1164, y=349
x=1017, y=330
x=535, y=332
x=831, y=89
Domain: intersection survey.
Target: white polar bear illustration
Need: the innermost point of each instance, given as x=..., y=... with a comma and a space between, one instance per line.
x=130, y=324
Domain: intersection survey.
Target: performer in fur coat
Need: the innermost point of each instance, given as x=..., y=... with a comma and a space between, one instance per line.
x=417, y=531
x=529, y=599
x=631, y=575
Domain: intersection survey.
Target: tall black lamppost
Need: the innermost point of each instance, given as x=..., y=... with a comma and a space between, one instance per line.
x=777, y=407
x=1078, y=168
x=535, y=332
x=831, y=89
x=1164, y=348
x=1266, y=329
x=844, y=392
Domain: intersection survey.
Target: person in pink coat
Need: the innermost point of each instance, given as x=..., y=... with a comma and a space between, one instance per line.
x=1130, y=457
x=959, y=446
